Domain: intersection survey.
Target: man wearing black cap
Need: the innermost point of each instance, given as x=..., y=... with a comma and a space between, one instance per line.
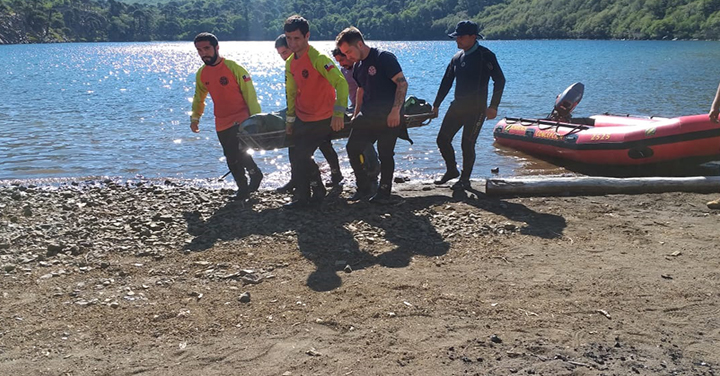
x=471, y=68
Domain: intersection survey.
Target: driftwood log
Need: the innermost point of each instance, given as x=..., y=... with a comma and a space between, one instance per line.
x=549, y=186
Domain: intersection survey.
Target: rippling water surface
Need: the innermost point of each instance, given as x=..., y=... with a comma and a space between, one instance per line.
x=121, y=109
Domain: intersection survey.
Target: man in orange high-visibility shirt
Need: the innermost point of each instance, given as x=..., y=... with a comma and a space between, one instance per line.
x=233, y=94
x=317, y=96
x=326, y=147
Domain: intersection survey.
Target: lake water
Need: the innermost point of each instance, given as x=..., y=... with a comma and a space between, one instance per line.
x=120, y=110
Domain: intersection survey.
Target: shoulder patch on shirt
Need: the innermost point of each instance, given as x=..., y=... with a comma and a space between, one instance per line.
x=329, y=66
x=246, y=78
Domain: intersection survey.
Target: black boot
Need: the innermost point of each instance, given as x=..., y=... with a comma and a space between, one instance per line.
x=462, y=184
x=361, y=193
x=256, y=177
x=318, y=192
x=297, y=204
x=241, y=194
x=383, y=195
x=449, y=175
x=287, y=188
x=336, y=178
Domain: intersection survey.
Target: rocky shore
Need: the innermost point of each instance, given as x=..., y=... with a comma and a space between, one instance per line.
x=12, y=30
x=180, y=279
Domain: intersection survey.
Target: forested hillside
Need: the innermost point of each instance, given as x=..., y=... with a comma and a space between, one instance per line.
x=29, y=21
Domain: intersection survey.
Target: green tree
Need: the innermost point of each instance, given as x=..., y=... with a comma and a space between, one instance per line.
x=94, y=20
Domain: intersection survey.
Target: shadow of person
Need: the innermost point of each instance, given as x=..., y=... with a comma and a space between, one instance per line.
x=407, y=226
x=320, y=236
x=234, y=220
x=328, y=236
x=345, y=237
x=542, y=225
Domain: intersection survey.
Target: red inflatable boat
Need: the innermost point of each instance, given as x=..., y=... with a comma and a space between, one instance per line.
x=610, y=139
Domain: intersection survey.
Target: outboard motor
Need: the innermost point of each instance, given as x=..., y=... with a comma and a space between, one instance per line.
x=566, y=102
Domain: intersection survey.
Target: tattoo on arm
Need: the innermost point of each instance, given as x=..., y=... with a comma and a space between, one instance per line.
x=401, y=90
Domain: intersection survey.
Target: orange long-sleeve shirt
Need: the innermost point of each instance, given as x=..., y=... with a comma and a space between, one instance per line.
x=231, y=90
x=315, y=88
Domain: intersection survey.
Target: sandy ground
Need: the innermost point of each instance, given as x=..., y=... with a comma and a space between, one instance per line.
x=140, y=279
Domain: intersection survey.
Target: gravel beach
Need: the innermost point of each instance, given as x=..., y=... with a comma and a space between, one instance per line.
x=162, y=278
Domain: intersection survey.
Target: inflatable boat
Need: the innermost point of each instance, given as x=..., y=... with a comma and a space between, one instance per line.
x=611, y=140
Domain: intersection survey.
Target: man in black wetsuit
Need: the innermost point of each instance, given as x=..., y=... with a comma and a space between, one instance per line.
x=471, y=68
x=380, y=96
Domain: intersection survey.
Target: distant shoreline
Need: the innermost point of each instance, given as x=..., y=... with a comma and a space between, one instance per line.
x=2, y=43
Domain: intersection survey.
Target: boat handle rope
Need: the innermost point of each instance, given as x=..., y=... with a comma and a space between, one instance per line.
x=556, y=124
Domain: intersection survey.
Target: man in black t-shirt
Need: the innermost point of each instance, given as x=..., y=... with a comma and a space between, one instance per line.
x=471, y=69
x=377, y=117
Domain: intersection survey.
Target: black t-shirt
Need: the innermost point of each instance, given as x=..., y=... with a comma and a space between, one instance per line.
x=374, y=75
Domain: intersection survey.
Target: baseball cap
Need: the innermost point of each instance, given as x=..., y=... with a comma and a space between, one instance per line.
x=465, y=28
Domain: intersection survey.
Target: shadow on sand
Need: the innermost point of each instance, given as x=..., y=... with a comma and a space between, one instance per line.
x=328, y=236
x=542, y=225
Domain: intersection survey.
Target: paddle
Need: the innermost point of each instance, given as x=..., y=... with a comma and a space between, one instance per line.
x=223, y=177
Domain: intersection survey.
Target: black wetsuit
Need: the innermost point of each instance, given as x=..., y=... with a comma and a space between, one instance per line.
x=471, y=72
x=374, y=75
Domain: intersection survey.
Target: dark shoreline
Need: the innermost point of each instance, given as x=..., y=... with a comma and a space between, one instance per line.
x=374, y=40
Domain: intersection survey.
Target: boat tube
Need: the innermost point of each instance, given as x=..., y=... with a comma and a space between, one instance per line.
x=610, y=140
